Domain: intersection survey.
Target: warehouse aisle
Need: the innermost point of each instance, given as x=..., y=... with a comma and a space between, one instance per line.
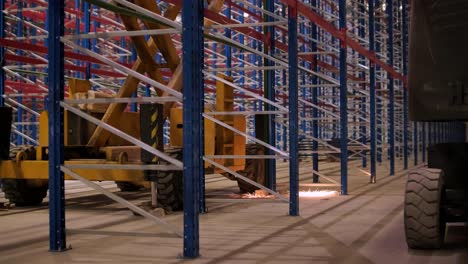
x=364, y=227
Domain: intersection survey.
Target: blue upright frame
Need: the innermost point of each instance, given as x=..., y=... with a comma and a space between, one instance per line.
x=192, y=46
x=293, y=110
x=373, y=136
x=423, y=141
x=391, y=89
x=362, y=75
x=379, y=102
x=404, y=44
x=55, y=18
x=87, y=29
x=415, y=142
x=343, y=101
x=270, y=76
x=2, y=53
x=315, y=113
x=19, y=119
x=227, y=48
x=78, y=6
x=19, y=52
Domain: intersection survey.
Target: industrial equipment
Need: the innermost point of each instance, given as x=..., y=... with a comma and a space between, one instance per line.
x=436, y=194
x=24, y=169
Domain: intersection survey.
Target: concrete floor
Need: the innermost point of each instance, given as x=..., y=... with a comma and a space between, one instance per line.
x=364, y=227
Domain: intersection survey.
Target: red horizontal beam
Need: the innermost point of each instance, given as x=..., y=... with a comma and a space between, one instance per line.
x=44, y=50
x=72, y=10
x=341, y=35
x=262, y=37
x=33, y=61
x=21, y=85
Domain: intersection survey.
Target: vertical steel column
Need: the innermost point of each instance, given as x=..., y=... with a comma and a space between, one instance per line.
x=432, y=133
x=315, y=127
x=445, y=132
x=19, y=119
x=343, y=100
x=55, y=18
x=440, y=132
x=192, y=46
x=379, y=102
x=33, y=127
x=391, y=88
x=429, y=134
x=284, y=83
x=415, y=142
x=404, y=44
x=454, y=134
x=228, y=34
x=19, y=52
x=241, y=55
x=437, y=132
x=33, y=118
x=423, y=141
x=260, y=106
x=362, y=75
x=269, y=48
x=302, y=81
x=450, y=131
x=373, y=136
x=2, y=53
x=94, y=46
x=293, y=110
x=133, y=106
x=78, y=74
x=463, y=134
x=87, y=28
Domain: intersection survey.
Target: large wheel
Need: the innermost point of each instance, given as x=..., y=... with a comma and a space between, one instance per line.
x=24, y=192
x=424, y=222
x=127, y=186
x=254, y=169
x=170, y=185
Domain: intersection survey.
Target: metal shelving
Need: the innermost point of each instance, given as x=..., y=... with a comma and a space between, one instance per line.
x=324, y=79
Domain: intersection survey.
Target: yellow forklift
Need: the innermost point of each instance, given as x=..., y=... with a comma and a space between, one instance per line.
x=24, y=169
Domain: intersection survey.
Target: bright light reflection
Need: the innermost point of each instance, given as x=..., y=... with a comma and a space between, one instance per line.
x=319, y=194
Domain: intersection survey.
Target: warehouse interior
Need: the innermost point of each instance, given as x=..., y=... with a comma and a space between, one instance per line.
x=216, y=131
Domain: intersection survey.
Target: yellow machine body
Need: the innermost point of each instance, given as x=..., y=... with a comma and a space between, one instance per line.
x=218, y=140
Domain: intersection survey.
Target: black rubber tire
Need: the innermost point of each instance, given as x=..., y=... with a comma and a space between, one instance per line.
x=170, y=185
x=127, y=186
x=254, y=169
x=423, y=219
x=23, y=192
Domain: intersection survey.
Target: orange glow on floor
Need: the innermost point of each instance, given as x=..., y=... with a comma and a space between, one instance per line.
x=318, y=194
